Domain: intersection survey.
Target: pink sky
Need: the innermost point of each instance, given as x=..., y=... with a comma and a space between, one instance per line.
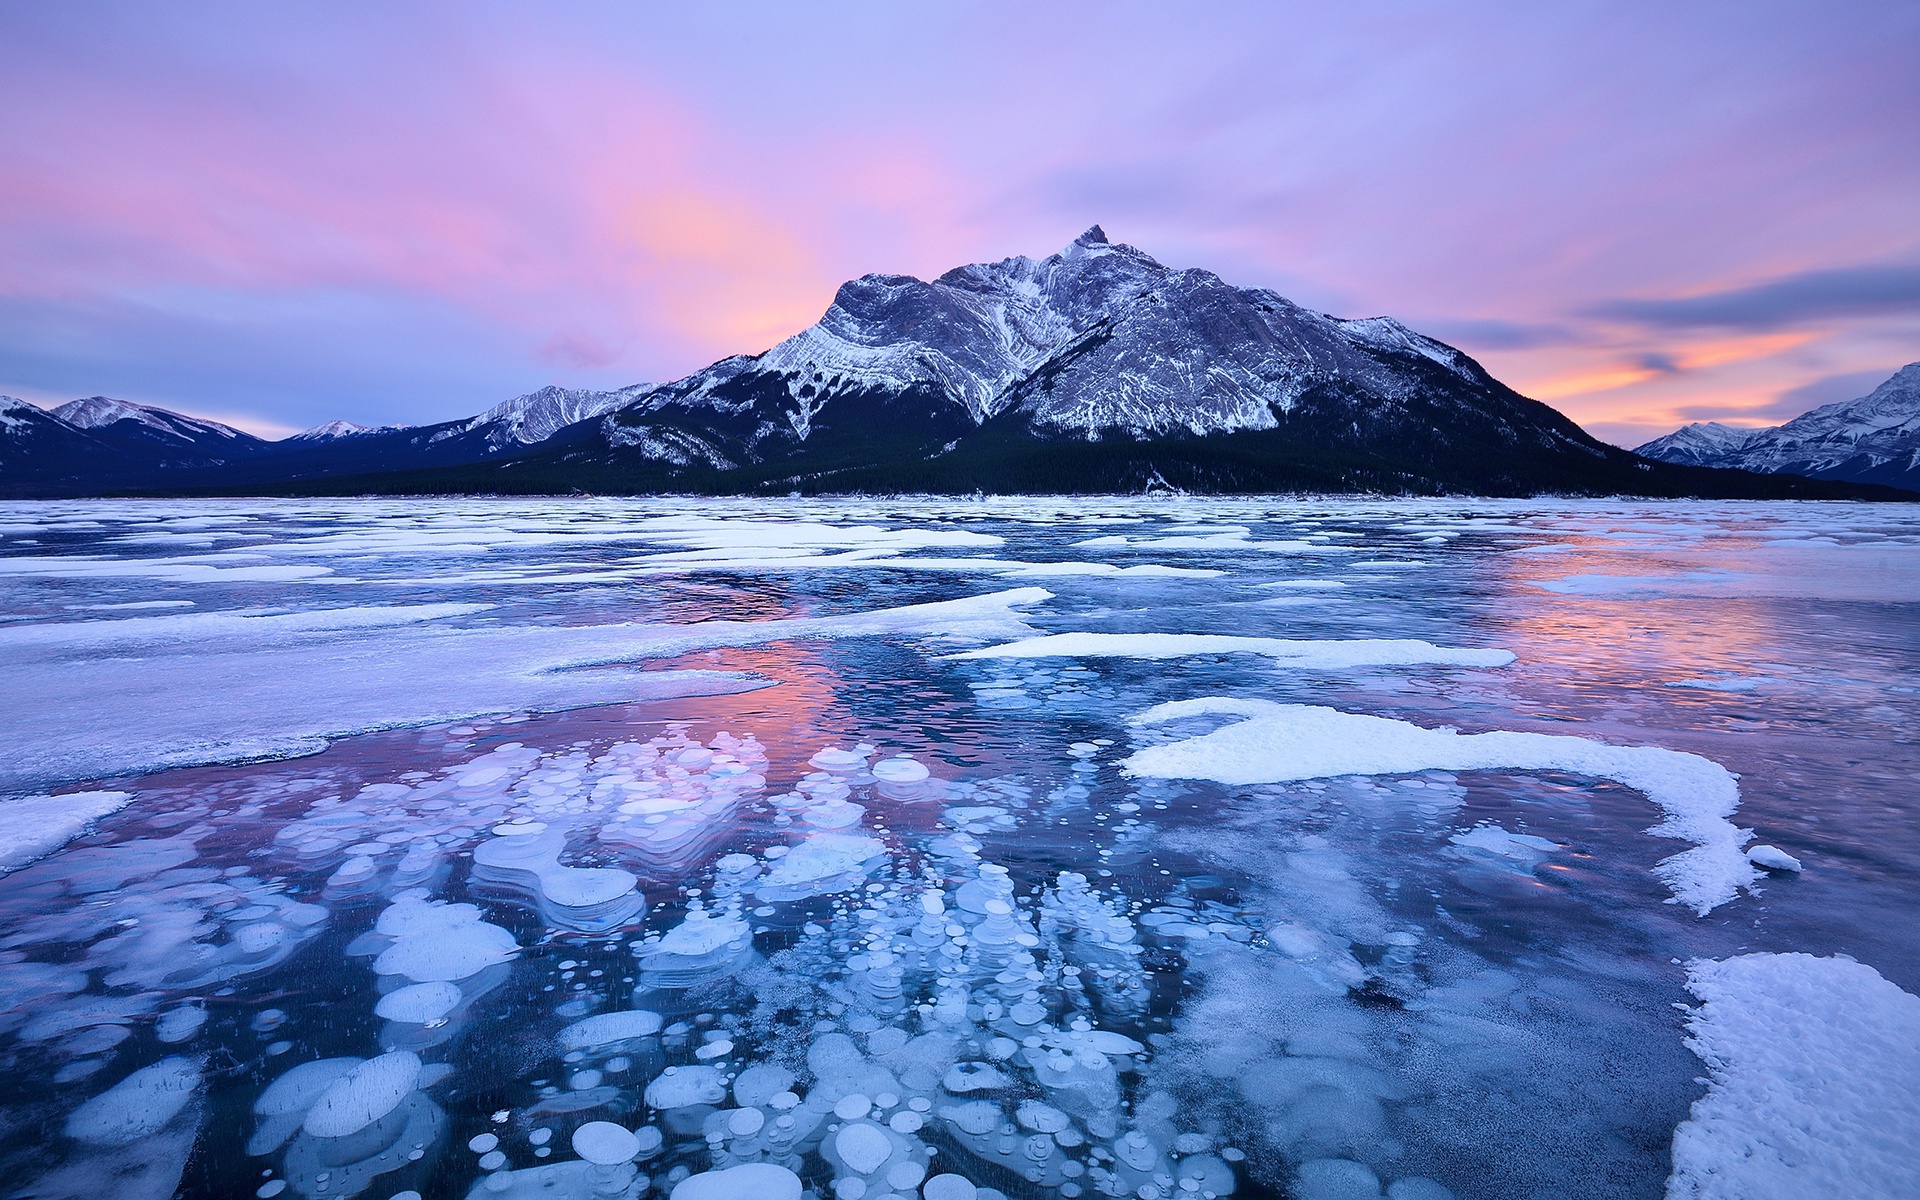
x=276, y=215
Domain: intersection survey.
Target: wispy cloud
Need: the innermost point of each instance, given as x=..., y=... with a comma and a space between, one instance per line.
x=1791, y=300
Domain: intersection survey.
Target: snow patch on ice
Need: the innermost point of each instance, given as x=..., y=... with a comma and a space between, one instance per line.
x=35, y=826
x=1815, y=1087
x=1274, y=743
x=1312, y=655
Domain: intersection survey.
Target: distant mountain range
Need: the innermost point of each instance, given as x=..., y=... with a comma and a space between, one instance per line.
x=1875, y=439
x=1096, y=369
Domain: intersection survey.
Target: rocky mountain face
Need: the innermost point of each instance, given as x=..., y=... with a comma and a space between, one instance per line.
x=1096, y=369
x=1875, y=439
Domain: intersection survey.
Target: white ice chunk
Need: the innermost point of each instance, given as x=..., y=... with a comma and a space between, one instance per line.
x=1815, y=1082
x=1274, y=742
x=1773, y=858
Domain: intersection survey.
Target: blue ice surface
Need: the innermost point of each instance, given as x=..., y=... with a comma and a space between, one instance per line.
x=694, y=818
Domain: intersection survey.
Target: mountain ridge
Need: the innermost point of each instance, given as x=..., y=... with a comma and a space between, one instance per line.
x=1872, y=439
x=1095, y=368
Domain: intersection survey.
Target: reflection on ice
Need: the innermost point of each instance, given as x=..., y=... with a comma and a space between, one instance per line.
x=1119, y=889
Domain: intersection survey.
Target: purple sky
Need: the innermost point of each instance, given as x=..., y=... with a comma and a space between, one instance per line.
x=280, y=214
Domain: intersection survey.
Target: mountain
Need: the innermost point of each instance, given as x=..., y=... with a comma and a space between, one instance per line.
x=1875, y=439
x=333, y=431
x=1097, y=369
x=160, y=439
x=41, y=454
x=533, y=418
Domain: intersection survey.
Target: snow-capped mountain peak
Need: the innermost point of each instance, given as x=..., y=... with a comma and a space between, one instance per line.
x=1875, y=439
x=1698, y=444
x=96, y=412
x=14, y=412
x=335, y=430
x=537, y=416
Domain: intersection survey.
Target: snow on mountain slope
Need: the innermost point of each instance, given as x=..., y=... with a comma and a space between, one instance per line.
x=537, y=416
x=1701, y=444
x=1873, y=439
x=1097, y=338
x=99, y=412
x=1195, y=353
x=335, y=430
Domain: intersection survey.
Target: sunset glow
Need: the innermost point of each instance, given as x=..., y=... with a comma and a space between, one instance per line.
x=279, y=216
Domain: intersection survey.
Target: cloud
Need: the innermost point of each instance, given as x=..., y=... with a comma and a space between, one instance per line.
x=1792, y=299
x=1495, y=334
x=1828, y=389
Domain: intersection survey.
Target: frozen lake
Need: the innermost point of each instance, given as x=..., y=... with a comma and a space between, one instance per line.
x=959, y=849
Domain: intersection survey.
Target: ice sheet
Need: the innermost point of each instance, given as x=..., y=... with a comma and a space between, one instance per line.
x=201, y=701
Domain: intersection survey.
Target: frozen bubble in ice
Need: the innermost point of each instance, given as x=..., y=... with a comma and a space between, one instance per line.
x=886, y=1041
x=180, y=1024
x=1041, y=1118
x=540, y=1137
x=745, y=1122
x=750, y=1181
x=439, y=942
x=605, y=1144
x=899, y=770
x=758, y=1085
x=681, y=1087
x=419, y=1003
x=974, y=1077
x=1210, y=1171
x=364, y=1095
x=836, y=759
x=1336, y=1179
x=1773, y=858
x=481, y=1143
x=1107, y=1042
x=137, y=1106
x=906, y=1175
x=824, y=863
x=975, y=1116
x=852, y=1107
x=949, y=1187
x=863, y=1148
x=294, y=1092
x=906, y=1122
x=608, y=1028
